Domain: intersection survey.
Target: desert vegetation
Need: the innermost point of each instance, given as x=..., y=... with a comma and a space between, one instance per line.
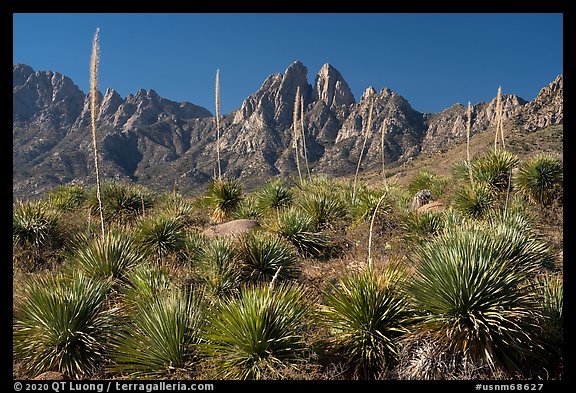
x=473, y=291
x=337, y=279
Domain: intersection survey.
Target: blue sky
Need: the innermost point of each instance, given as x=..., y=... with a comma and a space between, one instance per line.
x=433, y=60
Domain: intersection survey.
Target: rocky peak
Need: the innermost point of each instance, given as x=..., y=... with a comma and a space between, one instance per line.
x=331, y=88
x=369, y=92
x=546, y=109
x=47, y=96
x=110, y=103
x=20, y=73
x=276, y=97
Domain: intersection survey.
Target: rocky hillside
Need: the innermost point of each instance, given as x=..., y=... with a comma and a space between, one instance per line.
x=163, y=144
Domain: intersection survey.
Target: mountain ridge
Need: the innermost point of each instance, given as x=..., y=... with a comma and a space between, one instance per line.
x=154, y=141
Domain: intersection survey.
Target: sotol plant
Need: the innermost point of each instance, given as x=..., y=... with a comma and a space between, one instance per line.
x=258, y=334
x=474, y=297
x=108, y=258
x=224, y=196
x=541, y=178
x=367, y=314
x=64, y=325
x=264, y=254
x=160, y=337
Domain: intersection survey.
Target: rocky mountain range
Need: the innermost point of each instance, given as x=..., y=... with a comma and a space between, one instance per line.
x=162, y=144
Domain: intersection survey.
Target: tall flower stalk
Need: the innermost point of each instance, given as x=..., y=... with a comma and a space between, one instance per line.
x=296, y=133
x=468, y=143
x=366, y=134
x=305, y=153
x=218, y=123
x=384, y=125
x=499, y=122
x=94, y=61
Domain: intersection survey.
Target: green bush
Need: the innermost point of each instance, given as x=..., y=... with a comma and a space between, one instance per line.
x=160, y=337
x=105, y=258
x=541, y=178
x=258, y=334
x=298, y=228
x=224, y=196
x=264, y=254
x=64, y=325
x=471, y=287
x=366, y=313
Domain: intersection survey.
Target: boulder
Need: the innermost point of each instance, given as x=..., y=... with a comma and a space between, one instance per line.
x=232, y=228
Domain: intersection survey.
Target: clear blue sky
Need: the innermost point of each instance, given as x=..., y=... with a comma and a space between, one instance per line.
x=433, y=60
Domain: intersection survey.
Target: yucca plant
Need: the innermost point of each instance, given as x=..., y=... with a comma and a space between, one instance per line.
x=493, y=169
x=143, y=284
x=325, y=208
x=367, y=315
x=108, y=258
x=420, y=226
x=474, y=201
x=550, y=293
x=175, y=205
x=258, y=334
x=35, y=230
x=274, y=195
x=160, y=337
x=298, y=228
x=161, y=235
x=121, y=203
x=429, y=181
x=365, y=205
x=265, y=254
x=64, y=324
x=218, y=267
x=541, y=178
x=34, y=224
x=474, y=298
x=248, y=209
x=224, y=196
x=67, y=197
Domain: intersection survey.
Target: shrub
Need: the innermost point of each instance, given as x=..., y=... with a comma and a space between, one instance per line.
x=263, y=254
x=121, y=203
x=34, y=224
x=224, y=196
x=258, y=334
x=274, y=195
x=367, y=316
x=63, y=325
x=474, y=201
x=108, y=258
x=541, y=178
x=471, y=289
x=298, y=228
x=161, y=235
x=428, y=180
x=218, y=267
x=160, y=337
x=67, y=197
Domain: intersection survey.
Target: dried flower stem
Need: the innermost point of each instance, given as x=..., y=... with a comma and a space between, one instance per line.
x=371, y=227
x=468, y=143
x=296, y=133
x=271, y=285
x=303, y=136
x=95, y=58
x=366, y=132
x=218, y=123
x=384, y=124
